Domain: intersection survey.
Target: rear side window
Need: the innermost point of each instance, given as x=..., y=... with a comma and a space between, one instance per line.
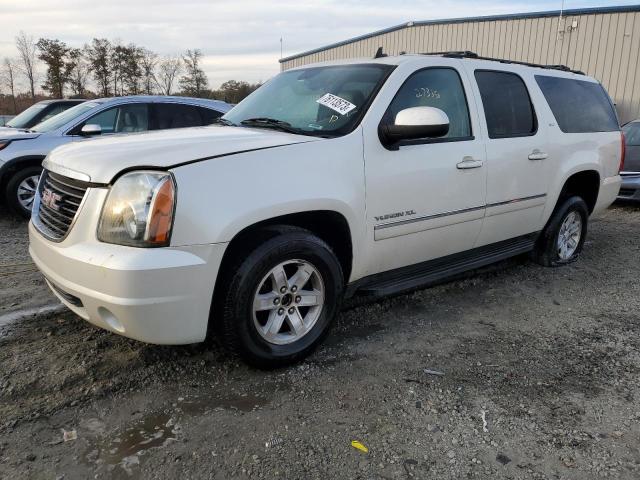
x=507, y=105
x=176, y=115
x=578, y=106
x=208, y=115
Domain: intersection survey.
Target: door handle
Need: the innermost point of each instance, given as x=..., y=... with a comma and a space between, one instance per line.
x=537, y=155
x=469, y=162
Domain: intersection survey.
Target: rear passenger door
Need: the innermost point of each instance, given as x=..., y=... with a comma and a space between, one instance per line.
x=516, y=147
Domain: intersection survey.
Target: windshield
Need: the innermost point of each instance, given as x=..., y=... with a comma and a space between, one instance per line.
x=65, y=117
x=324, y=101
x=22, y=120
x=632, y=134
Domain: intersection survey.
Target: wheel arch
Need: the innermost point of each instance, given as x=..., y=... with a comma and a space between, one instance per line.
x=15, y=164
x=329, y=225
x=584, y=184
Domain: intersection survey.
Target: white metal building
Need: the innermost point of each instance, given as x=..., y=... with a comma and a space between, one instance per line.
x=602, y=42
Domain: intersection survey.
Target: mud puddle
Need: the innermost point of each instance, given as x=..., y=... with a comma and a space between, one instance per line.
x=120, y=454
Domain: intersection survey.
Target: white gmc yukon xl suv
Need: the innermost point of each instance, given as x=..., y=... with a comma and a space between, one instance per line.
x=367, y=177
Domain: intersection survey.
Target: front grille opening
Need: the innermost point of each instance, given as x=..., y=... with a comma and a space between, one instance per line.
x=58, y=202
x=627, y=192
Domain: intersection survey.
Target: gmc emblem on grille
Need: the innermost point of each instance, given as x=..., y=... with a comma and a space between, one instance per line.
x=51, y=199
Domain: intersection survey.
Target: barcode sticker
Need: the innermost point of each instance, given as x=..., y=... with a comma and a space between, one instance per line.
x=336, y=103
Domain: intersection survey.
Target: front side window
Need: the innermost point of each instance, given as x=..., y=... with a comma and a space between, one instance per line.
x=577, y=105
x=123, y=119
x=435, y=87
x=507, y=105
x=323, y=101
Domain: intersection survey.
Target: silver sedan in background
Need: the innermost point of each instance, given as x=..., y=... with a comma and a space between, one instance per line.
x=22, y=151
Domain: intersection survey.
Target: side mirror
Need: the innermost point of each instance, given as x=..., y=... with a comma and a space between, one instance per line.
x=415, y=122
x=90, y=129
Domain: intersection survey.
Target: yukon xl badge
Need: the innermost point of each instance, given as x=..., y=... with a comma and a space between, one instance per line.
x=51, y=199
x=387, y=216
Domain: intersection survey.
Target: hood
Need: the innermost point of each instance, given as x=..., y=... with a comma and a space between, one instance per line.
x=8, y=133
x=100, y=160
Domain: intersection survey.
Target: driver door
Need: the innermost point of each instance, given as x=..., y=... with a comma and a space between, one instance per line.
x=426, y=197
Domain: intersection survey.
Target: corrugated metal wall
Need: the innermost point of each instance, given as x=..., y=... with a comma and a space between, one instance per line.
x=603, y=45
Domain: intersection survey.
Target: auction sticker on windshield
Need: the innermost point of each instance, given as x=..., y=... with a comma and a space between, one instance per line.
x=336, y=103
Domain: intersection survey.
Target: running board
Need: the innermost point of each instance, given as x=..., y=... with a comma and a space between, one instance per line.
x=436, y=271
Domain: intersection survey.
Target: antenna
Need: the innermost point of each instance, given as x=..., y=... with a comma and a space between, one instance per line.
x=379, y=53
x=560, y=35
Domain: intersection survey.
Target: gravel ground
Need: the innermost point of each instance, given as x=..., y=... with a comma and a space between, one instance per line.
x=534, y=373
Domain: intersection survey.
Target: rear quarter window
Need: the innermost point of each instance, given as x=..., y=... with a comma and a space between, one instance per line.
x=578, y=106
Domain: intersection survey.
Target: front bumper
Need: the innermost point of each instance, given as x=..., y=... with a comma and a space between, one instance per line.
x=630, y=188
x=156, y=295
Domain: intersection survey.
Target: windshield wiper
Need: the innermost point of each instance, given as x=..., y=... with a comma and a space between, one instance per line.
x=224, y=121
x=266, y=122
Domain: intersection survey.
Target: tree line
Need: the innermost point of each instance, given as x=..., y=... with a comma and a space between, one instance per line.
x=104, y=68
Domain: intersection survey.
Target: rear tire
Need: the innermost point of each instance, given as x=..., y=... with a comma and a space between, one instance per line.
x=21, y=189
x=281, y=298
x=562, y=239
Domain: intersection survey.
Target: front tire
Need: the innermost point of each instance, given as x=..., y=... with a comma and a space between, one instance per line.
x=281, y=299
x=21, y=190
x=563, y=238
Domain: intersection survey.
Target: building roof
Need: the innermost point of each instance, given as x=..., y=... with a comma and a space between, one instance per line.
x=487, y=18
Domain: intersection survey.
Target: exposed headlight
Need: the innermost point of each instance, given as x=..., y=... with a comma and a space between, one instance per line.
x=139, y=210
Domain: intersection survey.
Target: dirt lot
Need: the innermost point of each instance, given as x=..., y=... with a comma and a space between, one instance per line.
x=549, y=358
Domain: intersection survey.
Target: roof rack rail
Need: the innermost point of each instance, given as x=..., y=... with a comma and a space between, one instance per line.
x=475, y=56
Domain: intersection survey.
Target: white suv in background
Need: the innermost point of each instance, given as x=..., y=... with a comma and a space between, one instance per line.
x=367, y=177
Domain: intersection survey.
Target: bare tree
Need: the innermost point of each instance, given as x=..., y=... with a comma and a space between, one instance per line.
x=98, y=54
x=27, y=51
x=9, y=79
x=78, y=71
x=149, y=61
x=168, y=70
x=194, y=81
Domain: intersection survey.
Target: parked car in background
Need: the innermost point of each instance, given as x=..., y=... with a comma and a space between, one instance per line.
x=630, y=189
x=39, y=112
x=362, y=177
x=4, y=119
x=22, y=151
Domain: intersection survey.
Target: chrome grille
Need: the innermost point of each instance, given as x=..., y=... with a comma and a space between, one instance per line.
x=57, y=204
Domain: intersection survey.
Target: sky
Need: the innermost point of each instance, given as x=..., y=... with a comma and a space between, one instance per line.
x=240, y=39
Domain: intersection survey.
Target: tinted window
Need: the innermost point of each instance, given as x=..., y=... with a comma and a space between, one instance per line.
x=435, y=87
x=632, y=134
x=208, y=115
x=122, y=119
x=506, y=102
x=578, y=106
x=174, y=115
